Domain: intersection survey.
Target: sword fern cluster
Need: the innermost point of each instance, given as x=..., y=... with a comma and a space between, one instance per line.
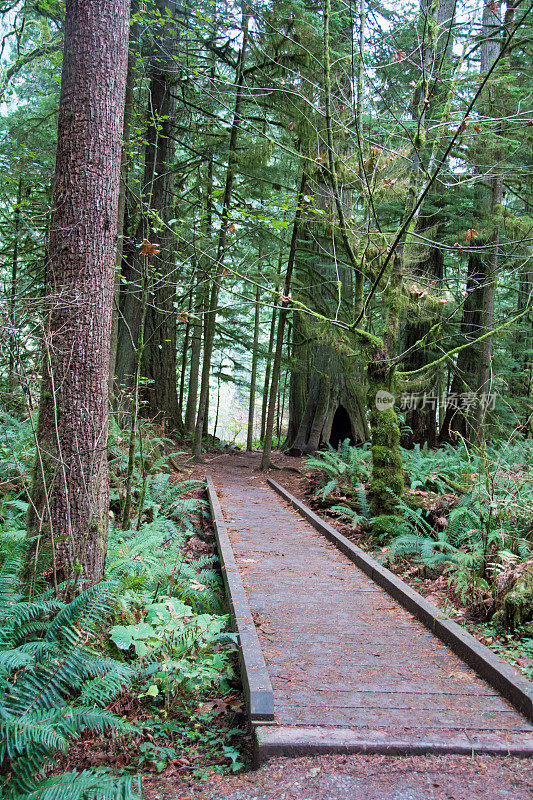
x=54, y=685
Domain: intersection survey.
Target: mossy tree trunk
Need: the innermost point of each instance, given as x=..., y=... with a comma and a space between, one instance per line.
x=326, y=379
x=325, y=376
x=387, y=472
x=323, y=380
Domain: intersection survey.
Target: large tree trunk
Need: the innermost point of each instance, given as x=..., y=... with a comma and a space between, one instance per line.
x=327, y=394
x=69, y=499
x=329, y=405
x=159, y=357
x=521, y=381
x=327, y=399
x=122, y=196
x=12, y=307
x=464, y=378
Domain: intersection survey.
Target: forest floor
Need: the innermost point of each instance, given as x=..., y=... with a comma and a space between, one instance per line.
x=360, y=777
x=340, y=777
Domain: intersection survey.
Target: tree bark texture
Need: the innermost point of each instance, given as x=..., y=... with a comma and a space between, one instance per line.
x=159, y=357
x=124, y=172
x=325, y=377
x=12, y=317
x=425, y=263
x=473, y=370
x=70, y=498
x=253, y=376
x=194, y=367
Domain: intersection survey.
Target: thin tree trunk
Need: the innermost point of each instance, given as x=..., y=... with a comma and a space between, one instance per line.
x=281, y=409
x=253, y=375
x=185, y=349
x=194, y=370
x=268, y=367
x=271, y=340
x=210, y=318
x=69, y=511
x=283, y=313
x=215, y=425
x=126, y=510
x=202, y=300
x=12, y=307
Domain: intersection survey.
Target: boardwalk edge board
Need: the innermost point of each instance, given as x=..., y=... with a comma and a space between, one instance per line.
x=289, y=741
x=513, y=686
x=255, y=678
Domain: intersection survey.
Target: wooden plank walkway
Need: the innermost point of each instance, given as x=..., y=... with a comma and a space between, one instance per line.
x=351, y=670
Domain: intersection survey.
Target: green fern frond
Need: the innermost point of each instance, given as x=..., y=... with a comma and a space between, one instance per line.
x=329, y=488
x=102, y=689
x=87, y=785
x=344, y=512
x=364, y=506
x=87, y=612
x=17, y=734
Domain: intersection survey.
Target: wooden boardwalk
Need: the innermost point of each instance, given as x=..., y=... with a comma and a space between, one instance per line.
x=350, y=668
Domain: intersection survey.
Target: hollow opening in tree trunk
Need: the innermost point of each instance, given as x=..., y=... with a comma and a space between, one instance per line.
x=341, y=428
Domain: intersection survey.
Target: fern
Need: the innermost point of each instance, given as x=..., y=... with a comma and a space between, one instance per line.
x=428, y=551
x=418, y=538
x=344, y=468
x=464, y=525
x=364, y=505
x=86, y=785
x=54, y=687
x=347, y=513
x=364, y=515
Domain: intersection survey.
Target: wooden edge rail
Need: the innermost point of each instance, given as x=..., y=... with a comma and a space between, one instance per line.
x=255, y=678
x=513, y=686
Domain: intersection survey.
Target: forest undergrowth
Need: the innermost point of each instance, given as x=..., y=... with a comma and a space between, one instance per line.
x=135, y=674
x=463, y=535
